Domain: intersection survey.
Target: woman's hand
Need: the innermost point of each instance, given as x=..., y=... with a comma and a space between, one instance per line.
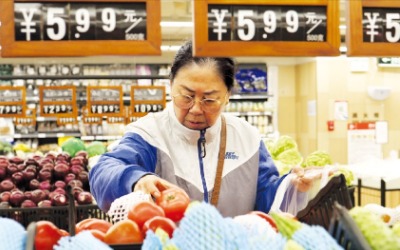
x=301, y=182
x=153, y=185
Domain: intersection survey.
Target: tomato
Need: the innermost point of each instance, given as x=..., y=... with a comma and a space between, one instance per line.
x=64, y=232
x=47, y=235
x=92, y=223
x=164, y=223
x=141, y=211
x=124, y=232
x=266, y=217
x=174, y=202
x=98, y=234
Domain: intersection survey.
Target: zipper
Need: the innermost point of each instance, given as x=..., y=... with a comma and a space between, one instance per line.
x=201, y=149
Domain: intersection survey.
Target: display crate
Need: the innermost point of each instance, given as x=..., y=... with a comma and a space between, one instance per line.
x=319, y=210
x=345, y=231
x=58, y=215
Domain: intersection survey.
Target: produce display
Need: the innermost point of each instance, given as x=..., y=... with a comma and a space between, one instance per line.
x=41, y=181
x=377, y=233
x=285, y=154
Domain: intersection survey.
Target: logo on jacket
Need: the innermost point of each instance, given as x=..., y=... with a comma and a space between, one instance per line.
x=231, y=155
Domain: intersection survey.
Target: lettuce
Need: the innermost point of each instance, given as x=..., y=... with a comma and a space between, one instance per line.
x=317, y=158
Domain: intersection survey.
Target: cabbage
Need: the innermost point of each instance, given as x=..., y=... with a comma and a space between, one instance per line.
x=377, y=233
x=317, y=158
x=396, y=229
x=283, y=143
x=291, y=156
x=282, y=167
x=96, y=148
x=348, y=174
x=72, y=146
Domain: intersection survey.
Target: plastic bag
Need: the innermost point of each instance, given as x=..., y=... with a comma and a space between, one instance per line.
x=289, y=199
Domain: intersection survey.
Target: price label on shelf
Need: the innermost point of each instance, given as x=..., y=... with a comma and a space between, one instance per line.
x=105, y=100
x=29, y=119
x=116, y=119
x=373, y=28
x=67, y=120
x=270, y=28
x=12, y=101
x=77, y=28
x=58, y=101
x=145, y=99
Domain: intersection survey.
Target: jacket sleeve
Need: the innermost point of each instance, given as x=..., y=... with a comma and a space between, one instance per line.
x=268, y=181
x=117, y=171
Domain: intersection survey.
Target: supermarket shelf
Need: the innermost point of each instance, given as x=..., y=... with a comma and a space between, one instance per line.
x=44, y=135
x=83, y=77
x=263, y=96
x=100, y=137
x=251, y=113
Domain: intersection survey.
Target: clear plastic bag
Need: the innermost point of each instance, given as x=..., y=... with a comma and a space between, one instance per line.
x=289, y=199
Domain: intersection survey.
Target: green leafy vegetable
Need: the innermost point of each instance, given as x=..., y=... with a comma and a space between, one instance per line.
x=72, y=146
x=96, y=148
x=317, y=158
x=283, y=143
x=377, y=233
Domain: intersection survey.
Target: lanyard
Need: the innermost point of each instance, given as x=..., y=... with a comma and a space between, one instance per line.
x=220, y=166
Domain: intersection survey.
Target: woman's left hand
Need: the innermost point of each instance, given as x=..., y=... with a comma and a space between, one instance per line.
x=301, y=182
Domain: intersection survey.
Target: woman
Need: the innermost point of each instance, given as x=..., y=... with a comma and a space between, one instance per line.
x=180, y=146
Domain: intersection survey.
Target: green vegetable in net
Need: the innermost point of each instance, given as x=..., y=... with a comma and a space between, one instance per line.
x=96, y=148
x=72, y=146
x=283, y=143
x=317, y=158
x=377, y=233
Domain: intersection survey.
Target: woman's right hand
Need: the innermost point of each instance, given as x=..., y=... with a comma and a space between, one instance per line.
x=153, y=185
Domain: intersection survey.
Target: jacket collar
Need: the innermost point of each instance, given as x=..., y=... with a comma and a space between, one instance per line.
x=191, y=135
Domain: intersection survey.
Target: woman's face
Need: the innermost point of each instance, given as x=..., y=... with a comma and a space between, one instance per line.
x=199, y=82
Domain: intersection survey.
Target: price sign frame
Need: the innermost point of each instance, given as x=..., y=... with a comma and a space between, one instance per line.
x=71, y=103
x=203, y=47
x=21, y=103
x=134, y=102
x=13, y=48
x=30, y=113
x=354, y=31
x=119, y=102
x=90, y=120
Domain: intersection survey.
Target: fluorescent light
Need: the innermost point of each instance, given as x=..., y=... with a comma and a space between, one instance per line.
x=343, y=49
x=176, y=24
x=342, y=27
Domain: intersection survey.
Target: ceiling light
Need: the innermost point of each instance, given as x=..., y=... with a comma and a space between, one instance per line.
x=176, y=24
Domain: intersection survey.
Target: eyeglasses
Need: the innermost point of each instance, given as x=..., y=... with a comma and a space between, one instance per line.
x=187, y=102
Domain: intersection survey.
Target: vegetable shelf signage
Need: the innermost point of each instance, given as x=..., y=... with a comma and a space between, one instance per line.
x=58, y=101
x=145, y=99
x=80, y=28
x=266, y=28
x=12, y=101
x=105, y=100
x=373, y=28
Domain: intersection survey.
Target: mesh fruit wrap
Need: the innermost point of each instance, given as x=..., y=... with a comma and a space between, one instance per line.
x=120, y=207
x=12, y=235
x=82, y=241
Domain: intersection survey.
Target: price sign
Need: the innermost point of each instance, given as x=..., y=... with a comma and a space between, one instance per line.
x=373, y=28
x=78, y=28
x=116, y=119
x=12, y=101
x=145, y=99
x=67, y=120
x=88, y=119
x=58, y=101
x=29, y=119
x=266, y=28
x=105, y=100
